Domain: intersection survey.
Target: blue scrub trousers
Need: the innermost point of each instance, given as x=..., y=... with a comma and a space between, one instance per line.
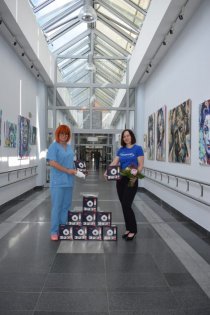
x=61, y=198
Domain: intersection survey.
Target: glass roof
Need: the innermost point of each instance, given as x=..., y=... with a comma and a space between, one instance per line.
x=79, y=46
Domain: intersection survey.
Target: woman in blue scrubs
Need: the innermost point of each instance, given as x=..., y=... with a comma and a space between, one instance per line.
x=60, y=157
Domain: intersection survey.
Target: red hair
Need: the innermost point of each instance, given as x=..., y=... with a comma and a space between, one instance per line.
x=62, y=129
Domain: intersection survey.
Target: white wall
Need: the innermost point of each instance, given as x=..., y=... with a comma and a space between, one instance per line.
x=183, y=74
x=20, y=94
x=26, y=20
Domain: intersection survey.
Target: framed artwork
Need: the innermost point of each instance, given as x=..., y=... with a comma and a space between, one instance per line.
x=161, y=134
x=0, y=123
x=24, y=134
x=179, y=133
x=151, y=137
x=33, y=135
x=10, y=134
x=145, y=142
x=204, y=133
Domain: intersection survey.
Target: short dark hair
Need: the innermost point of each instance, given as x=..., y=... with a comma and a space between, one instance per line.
x=133, y=138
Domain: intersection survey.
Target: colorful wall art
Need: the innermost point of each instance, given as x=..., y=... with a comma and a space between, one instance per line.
x=161, y=134
x=151, y=137
x=179, y=128
x=204, y=133
x=10, y=134
x=24, y=133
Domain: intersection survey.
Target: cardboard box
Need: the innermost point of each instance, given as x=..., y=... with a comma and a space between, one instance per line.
x=80, y=166
x=103, y=218
x=79, y=232
x=65, y=232
x=74, y=218
x=94, y=233
x=90, y=203
x=110, y=233
x=113, y=172
x=89, y=218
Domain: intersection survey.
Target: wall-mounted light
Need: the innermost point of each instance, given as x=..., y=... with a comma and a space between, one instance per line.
x=150, y=65
x=23, y=54
x=147, y=71
x=15, y=43
x=171, y=30
x=181, y=14
x=164, y=42
x=32, y=66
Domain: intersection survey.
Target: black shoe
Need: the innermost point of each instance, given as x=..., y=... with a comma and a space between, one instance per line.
x=125, y=235
x=130, y=238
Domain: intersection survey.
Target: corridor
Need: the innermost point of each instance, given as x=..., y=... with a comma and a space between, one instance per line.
x=165, y=270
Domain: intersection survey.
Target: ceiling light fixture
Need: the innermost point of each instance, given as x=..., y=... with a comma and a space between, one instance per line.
x=87, y=14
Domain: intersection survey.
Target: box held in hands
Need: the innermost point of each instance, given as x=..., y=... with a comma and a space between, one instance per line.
x=113, y=172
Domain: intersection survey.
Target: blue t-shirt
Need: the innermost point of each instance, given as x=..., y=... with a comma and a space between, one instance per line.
x=65, y=157
x=128, y=156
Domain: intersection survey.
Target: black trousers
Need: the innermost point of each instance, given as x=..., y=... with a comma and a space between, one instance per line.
x=126, y=196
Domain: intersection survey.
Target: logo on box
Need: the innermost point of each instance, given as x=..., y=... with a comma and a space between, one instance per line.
x=80, y=166
x=89, y=218
x=103, y=218
x=94, y=233
x=79, y=232
x=65, y=232
x=90, y=203
x=110, y=233
x=74, y=218
x=113, y=172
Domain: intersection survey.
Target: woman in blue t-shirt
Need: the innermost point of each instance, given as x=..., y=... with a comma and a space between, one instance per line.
x=129, y=154
x=60, y=157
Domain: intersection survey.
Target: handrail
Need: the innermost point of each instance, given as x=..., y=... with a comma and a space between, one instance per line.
x=17, y=181
x=186, y=178
x=17, y=172
x=18, y=169
x=188, y=181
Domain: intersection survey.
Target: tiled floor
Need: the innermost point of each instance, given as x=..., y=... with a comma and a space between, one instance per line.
x=165, y=270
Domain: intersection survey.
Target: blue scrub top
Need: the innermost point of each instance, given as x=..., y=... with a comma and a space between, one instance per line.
x=65, y=157
x=129, y=156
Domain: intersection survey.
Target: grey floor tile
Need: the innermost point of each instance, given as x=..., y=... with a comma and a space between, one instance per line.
x=190, y=298
x=73, y=302
x=149, y=312
x=83, y=247
x=156, y=301
x=21, y=282
x=138, y=282
x=75, y=282
x=18, y=301
x=82, y=263
x=68, y=313
x=130, y=263
x=180, y=280
x=16, y=312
